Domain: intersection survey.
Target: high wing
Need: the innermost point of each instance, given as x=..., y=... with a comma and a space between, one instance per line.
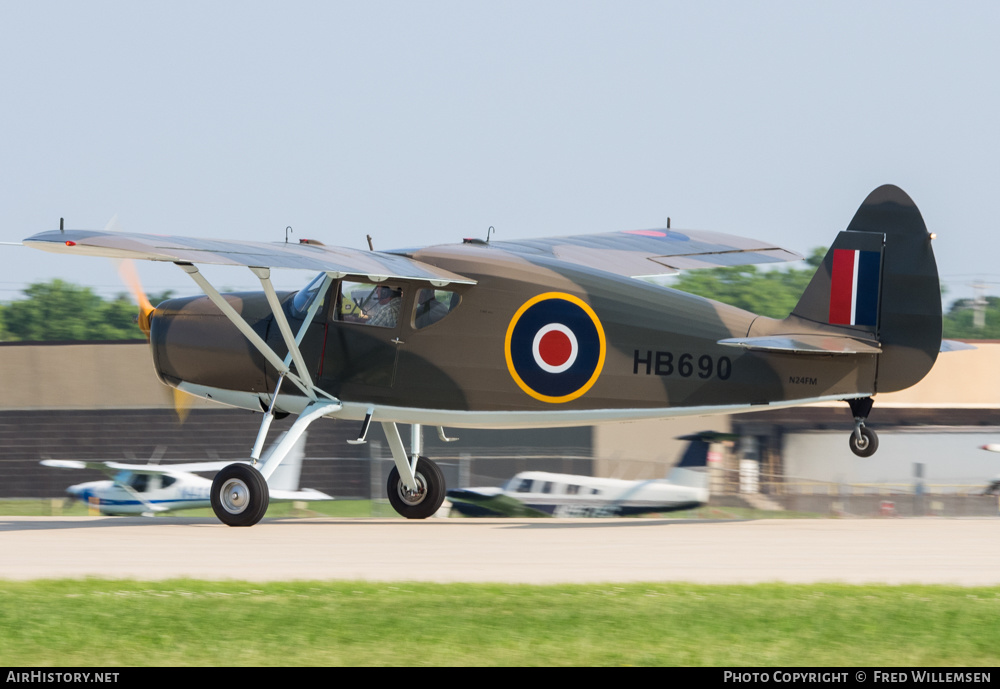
x=112, y=468
x=642, y=253
x=634, y=253
x=337, y=261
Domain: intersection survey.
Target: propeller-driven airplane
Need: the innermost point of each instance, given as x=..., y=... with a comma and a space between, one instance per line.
x=531, y=333
x=994, y=487
x=154, y=488
x=544, y=494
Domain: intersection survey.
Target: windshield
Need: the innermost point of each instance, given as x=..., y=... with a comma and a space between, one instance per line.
x=306, y=295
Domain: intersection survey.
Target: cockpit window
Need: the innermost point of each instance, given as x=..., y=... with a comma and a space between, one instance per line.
x=304, y=299
x=369, y=304
x=139, y=482
x=433, y=305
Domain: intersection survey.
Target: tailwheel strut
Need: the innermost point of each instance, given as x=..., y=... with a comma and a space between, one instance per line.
x=863, y=440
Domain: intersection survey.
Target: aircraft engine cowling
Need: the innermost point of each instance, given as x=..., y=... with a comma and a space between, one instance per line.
x=193, y=342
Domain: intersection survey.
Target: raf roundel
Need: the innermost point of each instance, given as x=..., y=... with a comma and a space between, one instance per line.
x=555, y=347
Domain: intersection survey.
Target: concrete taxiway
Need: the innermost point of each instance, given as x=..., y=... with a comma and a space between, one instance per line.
x=534, y=551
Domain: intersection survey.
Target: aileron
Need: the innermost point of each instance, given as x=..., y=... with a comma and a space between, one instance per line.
x=337, y=260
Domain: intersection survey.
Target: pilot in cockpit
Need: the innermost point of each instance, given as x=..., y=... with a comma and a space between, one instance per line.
x=385, y=311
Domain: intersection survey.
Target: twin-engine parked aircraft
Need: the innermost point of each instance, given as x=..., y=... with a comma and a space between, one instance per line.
x=149, y=489
x=544, y=494
x=532, y=333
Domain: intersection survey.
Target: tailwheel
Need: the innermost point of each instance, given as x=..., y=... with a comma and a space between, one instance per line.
x=239, y=495
x=426, y=500
x=864, y=442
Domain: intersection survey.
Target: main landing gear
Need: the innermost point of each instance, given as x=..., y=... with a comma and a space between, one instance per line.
x=416, y=486
x=239, y=495
x=239, y=492
x=426, y=499
x=863, y=440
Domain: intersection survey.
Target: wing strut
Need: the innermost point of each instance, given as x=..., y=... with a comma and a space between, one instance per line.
x=131, y=491
x=310, y=315
x=264, y=274
x=266, y=423
x=301, y=376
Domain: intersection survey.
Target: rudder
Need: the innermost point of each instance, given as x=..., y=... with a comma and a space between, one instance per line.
x=879, y=281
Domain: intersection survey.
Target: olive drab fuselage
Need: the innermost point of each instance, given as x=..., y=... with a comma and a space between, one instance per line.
x=552, y=331
x=657, y=347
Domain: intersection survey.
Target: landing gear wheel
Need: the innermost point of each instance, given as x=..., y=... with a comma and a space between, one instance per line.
x=866, y=446
x=239, y=495
x=428, y=497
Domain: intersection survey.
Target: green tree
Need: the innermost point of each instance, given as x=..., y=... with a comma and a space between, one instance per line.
x=771, y=293
x=775, y=293
x=58, y=310
x=959, y=322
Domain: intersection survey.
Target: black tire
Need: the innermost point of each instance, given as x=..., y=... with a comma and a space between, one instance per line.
x=427, y=501
x=868, y=444
x=239, y=495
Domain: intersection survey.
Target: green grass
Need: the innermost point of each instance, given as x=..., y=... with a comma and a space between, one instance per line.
x=182, y=622
x=322, y=508
x=319, y=508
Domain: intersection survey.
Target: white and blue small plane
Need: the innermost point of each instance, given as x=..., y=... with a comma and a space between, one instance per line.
x=150, y=489
x=544, y=494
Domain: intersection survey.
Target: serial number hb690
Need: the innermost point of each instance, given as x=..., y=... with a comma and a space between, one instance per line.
x=684, y=365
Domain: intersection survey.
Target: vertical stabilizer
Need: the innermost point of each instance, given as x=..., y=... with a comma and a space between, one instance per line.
x=692, y=469
x=879, y=281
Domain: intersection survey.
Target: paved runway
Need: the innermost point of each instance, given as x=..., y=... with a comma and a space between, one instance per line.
x=536, y=551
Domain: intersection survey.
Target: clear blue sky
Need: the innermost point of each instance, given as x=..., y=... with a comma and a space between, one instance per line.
x=423, y=122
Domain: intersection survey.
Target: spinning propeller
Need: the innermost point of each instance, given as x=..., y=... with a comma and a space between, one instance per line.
x=129, y=275
x=126, y=269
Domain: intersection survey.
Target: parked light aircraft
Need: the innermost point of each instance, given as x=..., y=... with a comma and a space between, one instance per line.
x=994, y=487
x=531, y=333
x=544, y=494
x=150, y=489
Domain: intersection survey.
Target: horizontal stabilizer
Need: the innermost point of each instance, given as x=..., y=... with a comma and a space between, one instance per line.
x=955, y=346
x=304, y=495
x=696, y=453
x=71, y=464
x=803, y=344
x=487, y=502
